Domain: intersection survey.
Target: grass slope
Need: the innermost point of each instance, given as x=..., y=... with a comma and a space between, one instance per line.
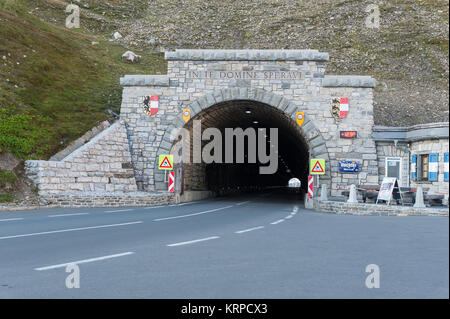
x=54, y=83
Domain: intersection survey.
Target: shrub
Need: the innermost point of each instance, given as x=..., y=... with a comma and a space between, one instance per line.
x=6, y=198
x=20, y=134
x=7, y=178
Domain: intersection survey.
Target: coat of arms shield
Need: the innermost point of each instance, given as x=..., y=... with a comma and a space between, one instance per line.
x=339, y=107
x=150, y=104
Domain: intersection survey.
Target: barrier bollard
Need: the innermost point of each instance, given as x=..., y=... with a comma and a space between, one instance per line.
x=419, y=198
x=324, y=192
x=352, y=197
x=309, y=202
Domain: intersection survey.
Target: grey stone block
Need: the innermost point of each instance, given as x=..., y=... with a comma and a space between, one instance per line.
x=348, y=81
x=145, y=80
x=247, y=55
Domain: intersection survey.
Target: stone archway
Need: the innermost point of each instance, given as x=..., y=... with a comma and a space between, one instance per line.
x=311, y=134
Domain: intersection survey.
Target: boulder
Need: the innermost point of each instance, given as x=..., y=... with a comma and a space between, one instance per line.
x=131, y=57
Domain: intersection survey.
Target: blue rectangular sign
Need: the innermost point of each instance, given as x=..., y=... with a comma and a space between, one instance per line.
x=349, y=167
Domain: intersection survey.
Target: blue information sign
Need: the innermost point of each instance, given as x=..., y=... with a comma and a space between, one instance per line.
x=349, y=167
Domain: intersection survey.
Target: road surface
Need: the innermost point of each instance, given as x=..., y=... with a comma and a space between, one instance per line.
x=258, y=246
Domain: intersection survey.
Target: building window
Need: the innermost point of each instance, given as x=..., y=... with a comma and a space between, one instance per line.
x=394, y=167
x=423, y=167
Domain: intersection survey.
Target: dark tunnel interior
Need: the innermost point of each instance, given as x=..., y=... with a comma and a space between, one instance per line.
x=292, y=152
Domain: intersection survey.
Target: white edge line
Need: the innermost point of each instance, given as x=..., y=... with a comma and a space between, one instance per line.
x=182, y=204
x=192, y=241
x=10, y=219
x=288, y=216
x=194, y=214
x=151, y=207
x=277, y=222
x=84, y=261
x=119, y=210
x=242, y=203
x=173, y=205
x=63, y=215
x=249, y=229
x=69, y=230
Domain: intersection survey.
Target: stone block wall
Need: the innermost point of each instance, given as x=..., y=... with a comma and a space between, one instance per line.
x=107, y=199
x=312, y=93
x=364, y=209
x=101, y=165
x=388, y=149
x=439, y=146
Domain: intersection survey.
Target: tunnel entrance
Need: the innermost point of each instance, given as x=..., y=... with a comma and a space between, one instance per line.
x=288, y=148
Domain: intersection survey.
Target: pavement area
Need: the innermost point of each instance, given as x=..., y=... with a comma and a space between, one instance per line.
x=253, y=246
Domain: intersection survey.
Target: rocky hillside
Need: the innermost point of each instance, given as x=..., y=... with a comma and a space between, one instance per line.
x=407, y=54
x=56, y=83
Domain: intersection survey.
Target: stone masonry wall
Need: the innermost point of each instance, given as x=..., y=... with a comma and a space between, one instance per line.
x=101, y=165
x=387, y=149
x=364, y=209
x=433, y=146
x=149, y=135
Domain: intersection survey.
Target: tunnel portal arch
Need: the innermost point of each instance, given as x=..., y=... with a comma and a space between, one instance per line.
x=308, y=134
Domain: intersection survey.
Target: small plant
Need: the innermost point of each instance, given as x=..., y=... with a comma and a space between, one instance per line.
x=6, y=198
x=7, y=178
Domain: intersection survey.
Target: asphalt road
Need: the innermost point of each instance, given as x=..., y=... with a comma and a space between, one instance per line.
x=263, y=246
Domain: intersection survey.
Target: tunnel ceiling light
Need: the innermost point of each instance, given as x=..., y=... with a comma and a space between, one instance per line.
x=255, y=122
x=248, y=111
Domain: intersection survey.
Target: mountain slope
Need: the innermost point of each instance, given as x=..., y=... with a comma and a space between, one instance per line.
x=57, y=83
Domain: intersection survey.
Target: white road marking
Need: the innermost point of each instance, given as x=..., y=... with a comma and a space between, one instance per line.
x=242, y=203
x=63, y=215
x=10, y=219
x=193, y=241
x=288, y=217
x=84, y=261
x=151, y=207
x=69, y=230
x=182, y=204
x=119, y=210
x=249, y=229
x=194, y=214
x=277, y=222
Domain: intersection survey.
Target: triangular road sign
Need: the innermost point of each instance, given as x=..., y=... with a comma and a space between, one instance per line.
x=317, y=167
x=165, y=162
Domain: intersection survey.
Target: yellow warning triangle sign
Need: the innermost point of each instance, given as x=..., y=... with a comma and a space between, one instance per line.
x=165, y=163
x=317, y=168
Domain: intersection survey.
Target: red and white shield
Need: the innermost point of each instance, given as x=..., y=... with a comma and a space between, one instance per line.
x=151, y=104
x=344, y=107
x=340, y=107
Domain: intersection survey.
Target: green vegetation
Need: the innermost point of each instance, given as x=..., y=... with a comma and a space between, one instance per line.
x=54, y=83
x=8, y=198
x=7, y=178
